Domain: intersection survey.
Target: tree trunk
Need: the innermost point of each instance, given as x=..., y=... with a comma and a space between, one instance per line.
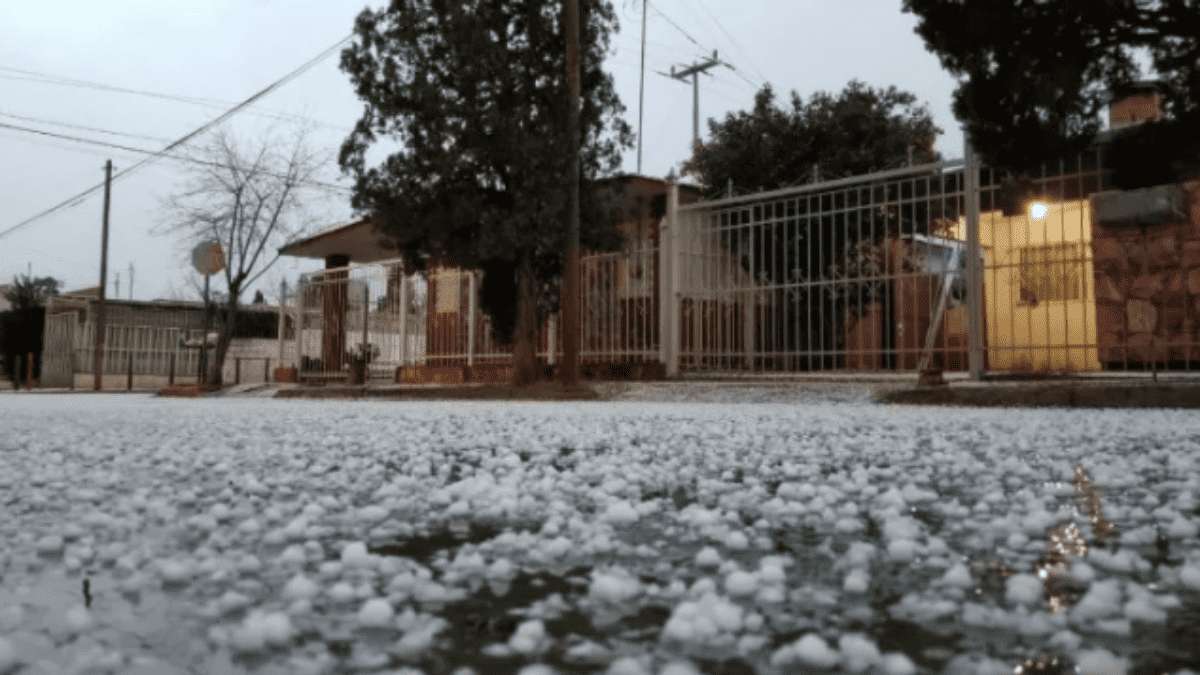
x=525, y=330
x=216, y=366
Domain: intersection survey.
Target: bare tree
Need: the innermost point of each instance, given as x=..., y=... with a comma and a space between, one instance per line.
x=249, y=196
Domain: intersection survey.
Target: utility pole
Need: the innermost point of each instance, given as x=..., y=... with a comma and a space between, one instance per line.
x=642, y=89
x=131, y=280
x=117, y=286
x=693, y=72
x=570, y=290
x=98, y=354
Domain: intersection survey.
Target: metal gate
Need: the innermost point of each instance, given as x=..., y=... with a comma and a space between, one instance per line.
x=862, y=274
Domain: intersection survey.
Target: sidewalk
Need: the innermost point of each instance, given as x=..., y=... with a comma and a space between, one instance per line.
x=1088, y=393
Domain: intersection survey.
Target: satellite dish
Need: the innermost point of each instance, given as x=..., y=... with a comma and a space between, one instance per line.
x=208, y=257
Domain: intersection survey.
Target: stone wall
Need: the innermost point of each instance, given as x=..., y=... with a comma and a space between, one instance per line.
x=1148, y=291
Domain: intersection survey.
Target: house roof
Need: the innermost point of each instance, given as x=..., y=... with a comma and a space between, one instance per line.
x=359, y=241
x=356, y=239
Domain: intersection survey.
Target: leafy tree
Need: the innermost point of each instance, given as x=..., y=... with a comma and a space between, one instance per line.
x=27, y=292
x=468, y=100
x=1035, y=76
x=858, y=130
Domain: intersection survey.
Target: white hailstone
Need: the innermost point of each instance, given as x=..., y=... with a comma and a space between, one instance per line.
x=1102, y=600
x=8, y=656
x=627, y=665
x=614, y=586
x=1189, y=576
x=293, y=555
x=1082, y=572
x=812, y=651
x=857, y=581
x=259, y=631
x=459, y=509
x=355, y=554
x=232, y=601
x=859, y=554
x=175, y=571
x=529, y=638
x=372, y=514
x=1100, y=661
x=500, y=569
x=859, y=654
x=300, y=587
x=679, y=668
x=78, y=619
x=1023, y=589
x=902, y=550
x=736, y=541
x=1144, y=609
x=49, y=545
x=708, y=558
x=958, y=576
x=740, y=584
x=375, y=613
x=620, y=512
x=341, y=592
x=704, y=620
x=895, y=663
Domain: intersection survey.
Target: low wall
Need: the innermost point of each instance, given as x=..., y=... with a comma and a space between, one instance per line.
x=1148, y=291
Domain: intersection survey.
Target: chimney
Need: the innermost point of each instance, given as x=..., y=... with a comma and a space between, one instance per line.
x=1140, y=103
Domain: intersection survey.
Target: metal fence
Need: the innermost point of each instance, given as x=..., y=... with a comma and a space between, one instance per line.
x=951, y=266
x=863, y=274
x=369, y=315
x=948, y=266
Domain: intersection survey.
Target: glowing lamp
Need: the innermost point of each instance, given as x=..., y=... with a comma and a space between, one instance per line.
x=1038, y=210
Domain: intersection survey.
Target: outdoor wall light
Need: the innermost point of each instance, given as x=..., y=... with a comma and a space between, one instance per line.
x=1038, y=210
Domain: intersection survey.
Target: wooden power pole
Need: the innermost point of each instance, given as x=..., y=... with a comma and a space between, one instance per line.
x=100, y=324
x=570, y=288
x=692, y=73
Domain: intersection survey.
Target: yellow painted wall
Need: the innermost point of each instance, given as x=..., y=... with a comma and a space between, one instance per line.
x=1049, y=335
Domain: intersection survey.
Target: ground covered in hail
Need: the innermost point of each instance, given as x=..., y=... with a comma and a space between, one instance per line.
x=223, y=536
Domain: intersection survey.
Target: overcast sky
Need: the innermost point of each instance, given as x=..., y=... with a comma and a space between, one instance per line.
x=224, y=50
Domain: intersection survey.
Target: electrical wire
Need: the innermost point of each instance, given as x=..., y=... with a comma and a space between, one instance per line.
x=22, y=75
x=265, y=91
x=734, y=41
x=80, y=127
x=147, y=151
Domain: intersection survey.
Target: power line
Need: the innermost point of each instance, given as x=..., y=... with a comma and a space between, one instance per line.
x=68, y=125
x=23, y=75
x=78, y=198
x=147, y=151
x=677, y=27
x=734, y=41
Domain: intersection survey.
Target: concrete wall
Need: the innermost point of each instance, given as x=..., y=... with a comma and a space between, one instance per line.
x=1029, y=334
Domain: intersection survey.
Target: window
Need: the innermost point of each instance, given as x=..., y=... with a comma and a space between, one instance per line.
x=1052, y=272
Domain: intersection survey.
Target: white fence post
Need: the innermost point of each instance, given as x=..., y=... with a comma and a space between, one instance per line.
x=470, y=318
x=403, y=318
x=668, y=252
x=551, y=337
x=975, y=337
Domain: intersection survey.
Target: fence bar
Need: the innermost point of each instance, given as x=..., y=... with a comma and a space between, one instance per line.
x=669, y=317
x=237, y=370
x=975, y=337
x=470, y=318
x=129, y=372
